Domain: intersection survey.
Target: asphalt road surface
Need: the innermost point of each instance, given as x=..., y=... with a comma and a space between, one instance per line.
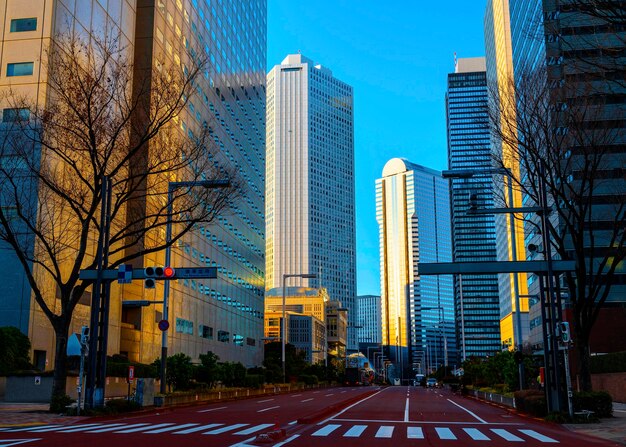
x=393, y=417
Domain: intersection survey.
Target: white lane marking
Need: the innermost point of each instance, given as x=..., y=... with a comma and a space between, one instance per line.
x=506, y=435
x=149, y=427
x=355, y=431
x=175, y=427
x=476, y=434
x=325, y=431
x=104, y=430
x=296, y=395
x=470, y=412
x=306, y=400
x=62, y=427
x=244, y=443
x=445, y=433
x=317, y=392
x=249, y=431
x=268, y=409
x=286, y=440
x=385, y=431
x=342, y=392
x=538, y=436
x=195, y=429
x=331, y=394
x=72, y=430
x=17, y=441
x=414, y=433
x=214, y=409
x=396, y=421
x=350, y=406
x=293, y=422
x=264, y=400
x=406, y=411
x=218, y=431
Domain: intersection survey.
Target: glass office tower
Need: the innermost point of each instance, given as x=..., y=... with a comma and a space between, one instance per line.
x=477, y=302
x=417, y=318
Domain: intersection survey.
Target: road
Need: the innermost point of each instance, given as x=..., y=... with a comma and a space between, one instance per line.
x=393, y=416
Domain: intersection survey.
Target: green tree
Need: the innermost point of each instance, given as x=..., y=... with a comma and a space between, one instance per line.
x=208, y=371
x=179, y=371
x=232, y=373
x=14, y=350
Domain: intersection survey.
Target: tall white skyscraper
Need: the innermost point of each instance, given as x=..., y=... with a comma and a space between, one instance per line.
x=310, y=180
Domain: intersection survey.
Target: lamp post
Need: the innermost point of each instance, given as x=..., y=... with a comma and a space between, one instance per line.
x=283, y=332
x=171, y=187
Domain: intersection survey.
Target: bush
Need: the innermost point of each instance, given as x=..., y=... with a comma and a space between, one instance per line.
x=599, y=402
x=119, y=368
x=254, y=380
x=308, y=379
x=608, y=363
x=59, y=402
x=532, y=402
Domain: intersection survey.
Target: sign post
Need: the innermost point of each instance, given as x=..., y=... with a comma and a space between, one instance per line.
x=130, y=379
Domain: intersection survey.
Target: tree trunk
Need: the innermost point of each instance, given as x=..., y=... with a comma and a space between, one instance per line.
x=59, y=381
x=584, y=362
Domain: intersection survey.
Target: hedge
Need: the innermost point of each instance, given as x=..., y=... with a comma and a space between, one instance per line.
x=532, y=402
x=120, y=369
x=600, y=402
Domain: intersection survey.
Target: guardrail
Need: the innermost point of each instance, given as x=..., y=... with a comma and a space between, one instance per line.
x=492, y=397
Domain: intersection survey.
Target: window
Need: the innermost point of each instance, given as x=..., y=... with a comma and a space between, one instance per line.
x=223, y=336
x=20, y=69
x=20, y=25
x=12, y=115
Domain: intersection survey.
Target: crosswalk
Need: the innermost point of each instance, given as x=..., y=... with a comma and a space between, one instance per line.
x=329, y=430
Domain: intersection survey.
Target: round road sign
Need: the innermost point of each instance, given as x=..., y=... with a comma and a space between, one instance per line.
x=164, y=325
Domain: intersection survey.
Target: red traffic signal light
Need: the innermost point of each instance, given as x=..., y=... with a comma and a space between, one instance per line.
x=168, y=272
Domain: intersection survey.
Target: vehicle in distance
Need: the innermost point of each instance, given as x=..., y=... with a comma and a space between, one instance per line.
x=431, y=382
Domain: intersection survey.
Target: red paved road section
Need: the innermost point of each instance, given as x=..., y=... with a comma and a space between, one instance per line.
x=394, y=416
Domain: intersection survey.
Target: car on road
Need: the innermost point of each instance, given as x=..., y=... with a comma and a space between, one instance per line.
x=431, y=382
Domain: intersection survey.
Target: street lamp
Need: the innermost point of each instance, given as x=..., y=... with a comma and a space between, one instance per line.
x=171, y=187
x=285, y=276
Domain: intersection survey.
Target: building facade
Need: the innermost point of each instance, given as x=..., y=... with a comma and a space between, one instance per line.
x=310, y=214
x=412, y=210
x=223, y=315
x=513, y=288
x=368, y=319
x=477, y=301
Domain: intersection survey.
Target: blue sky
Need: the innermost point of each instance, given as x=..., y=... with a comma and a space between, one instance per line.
x=396, y=55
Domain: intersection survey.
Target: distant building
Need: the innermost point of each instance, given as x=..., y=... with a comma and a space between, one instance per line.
x=368, y=319
x=413, y=213
x=310, y=213
x=337, y=329
x=477, y=301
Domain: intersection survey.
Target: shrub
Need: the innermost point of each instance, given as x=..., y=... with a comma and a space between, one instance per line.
x=254, y=380
x=532, y=402
x=599, y=402
x=115, y=406
x=308, y=379
x=58, y=403
x=609, y=363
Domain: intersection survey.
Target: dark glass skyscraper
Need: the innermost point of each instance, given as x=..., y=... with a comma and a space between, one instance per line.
x=473, y=236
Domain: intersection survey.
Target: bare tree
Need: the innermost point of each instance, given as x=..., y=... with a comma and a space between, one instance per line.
x=570, y=138
x=102, y=116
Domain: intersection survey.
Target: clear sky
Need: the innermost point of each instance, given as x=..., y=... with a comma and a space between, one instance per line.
x=396, y=55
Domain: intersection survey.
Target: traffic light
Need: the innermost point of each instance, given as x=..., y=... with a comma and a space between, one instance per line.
x=84, y=335
x=563, y=331
x=153, y=273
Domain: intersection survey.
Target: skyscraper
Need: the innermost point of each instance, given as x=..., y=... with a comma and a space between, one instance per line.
x=513, y=288
x=225, y=315
x=477, y=303
x=368, y=318
x=310, y=180
x=412, y=210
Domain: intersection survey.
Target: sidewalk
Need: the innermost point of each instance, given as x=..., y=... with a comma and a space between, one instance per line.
x=24, y=414
x=613, y=429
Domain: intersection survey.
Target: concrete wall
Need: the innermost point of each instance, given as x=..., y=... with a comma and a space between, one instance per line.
x=24, y=389
x=612, y=383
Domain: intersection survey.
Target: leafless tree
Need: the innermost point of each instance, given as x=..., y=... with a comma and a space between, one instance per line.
x=570, y=138
x=102, y=116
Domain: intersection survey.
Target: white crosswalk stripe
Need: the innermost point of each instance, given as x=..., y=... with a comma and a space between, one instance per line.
x=12, y=430
x=325, y=431
x=175, y=427
x=355, y=431
x=40, y=430
x=506, y=435
x=85, y=428
x=196, y=429
x=134, y=430
x=218, y=431
x=115, y=427
x=476, y=434
x=414, y=433
x=538, y=436
x=256, y=428
x=445, y=433
x=386, y=431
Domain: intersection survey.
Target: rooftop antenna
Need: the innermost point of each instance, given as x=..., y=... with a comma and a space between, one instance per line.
x=456, y=63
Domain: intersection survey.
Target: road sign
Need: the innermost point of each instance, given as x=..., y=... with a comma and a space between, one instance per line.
x=37, y=380
x=196, y=272
x=125, y=274
x=179, y=273
x=131, y=374
x=164, y=325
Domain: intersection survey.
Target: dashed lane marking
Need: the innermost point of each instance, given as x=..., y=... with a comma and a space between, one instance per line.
x=306, y=400
x=268, y=409
x=215, y=409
